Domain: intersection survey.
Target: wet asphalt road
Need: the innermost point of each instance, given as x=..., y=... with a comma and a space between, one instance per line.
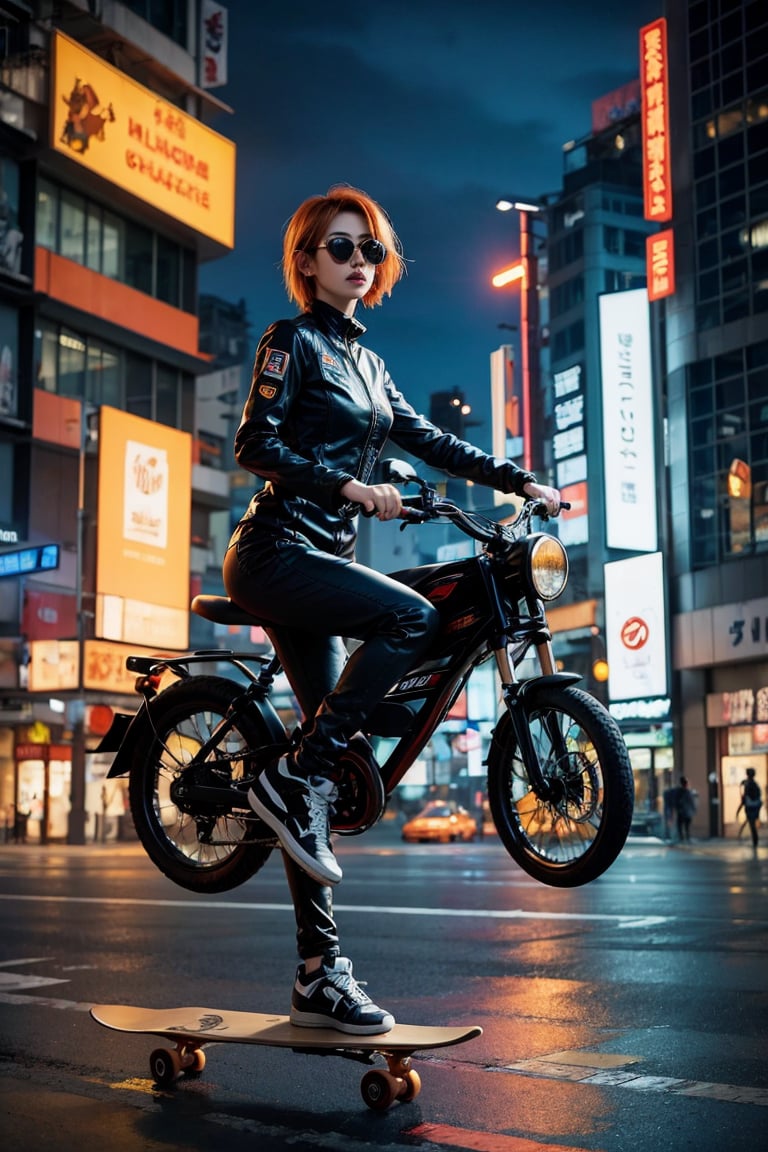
x=627, y=1015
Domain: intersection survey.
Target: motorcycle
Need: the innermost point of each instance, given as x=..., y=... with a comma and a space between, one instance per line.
x=559, y=779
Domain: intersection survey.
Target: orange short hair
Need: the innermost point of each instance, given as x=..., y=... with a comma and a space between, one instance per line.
x=310, y=224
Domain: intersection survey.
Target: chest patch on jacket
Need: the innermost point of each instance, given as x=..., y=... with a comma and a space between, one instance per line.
x=276, y=364
x=330, y=361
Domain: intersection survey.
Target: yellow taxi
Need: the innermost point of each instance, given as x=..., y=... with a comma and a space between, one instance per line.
x=441, y=820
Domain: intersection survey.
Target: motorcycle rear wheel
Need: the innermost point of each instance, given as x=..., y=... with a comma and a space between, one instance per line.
x=182, y=719
x=576, y=834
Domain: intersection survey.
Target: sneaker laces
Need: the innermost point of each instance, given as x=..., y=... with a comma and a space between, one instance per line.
x=318, y=809
x=346, y=983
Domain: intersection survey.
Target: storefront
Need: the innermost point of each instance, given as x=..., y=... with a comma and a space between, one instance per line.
x=42, y=790
x=740, y=719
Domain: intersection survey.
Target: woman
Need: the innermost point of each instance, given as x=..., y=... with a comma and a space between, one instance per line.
x=320, y=408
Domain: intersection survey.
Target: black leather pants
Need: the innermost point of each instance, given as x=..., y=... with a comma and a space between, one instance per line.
x=313, y=599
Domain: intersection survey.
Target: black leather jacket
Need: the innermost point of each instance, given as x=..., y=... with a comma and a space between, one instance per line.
x=318, y=414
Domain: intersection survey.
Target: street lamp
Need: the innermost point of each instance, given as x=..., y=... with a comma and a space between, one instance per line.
x=526, y=271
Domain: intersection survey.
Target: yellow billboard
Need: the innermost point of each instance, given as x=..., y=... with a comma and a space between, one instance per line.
x=143, y=534
x=128, y=135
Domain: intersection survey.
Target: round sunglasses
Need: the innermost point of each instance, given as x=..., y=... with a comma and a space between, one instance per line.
x=341, y=248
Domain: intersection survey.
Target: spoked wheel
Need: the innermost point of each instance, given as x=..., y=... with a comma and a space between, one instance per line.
x=205, y=850
x=577, y=830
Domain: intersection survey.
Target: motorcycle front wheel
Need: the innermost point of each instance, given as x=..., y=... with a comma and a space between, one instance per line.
x=573, y=834
x=211, y=850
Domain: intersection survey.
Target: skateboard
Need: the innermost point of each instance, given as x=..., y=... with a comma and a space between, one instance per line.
x=191, y=1028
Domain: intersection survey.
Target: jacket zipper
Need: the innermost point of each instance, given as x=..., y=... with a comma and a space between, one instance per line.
x=374, y=415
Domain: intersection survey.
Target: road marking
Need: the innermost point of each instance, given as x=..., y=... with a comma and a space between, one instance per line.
x=483, y=1141
x=620, y=919
x=43, y=1001
x=601, y=1069
x=605, y=1070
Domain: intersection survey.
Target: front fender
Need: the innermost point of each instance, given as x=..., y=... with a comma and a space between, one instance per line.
x=536, y=682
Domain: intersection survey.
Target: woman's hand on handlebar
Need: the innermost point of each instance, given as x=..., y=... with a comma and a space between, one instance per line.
x=548, y=496
x=381, y=500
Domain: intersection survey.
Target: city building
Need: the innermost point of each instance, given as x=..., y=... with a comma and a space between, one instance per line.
x=114, y=191
x=715, y=342
x=654, y=411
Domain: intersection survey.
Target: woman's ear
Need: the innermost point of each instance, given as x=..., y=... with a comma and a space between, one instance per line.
x=304, y=263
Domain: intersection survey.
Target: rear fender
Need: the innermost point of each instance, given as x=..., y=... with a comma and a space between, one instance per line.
x=126, y=730
x=123, y=732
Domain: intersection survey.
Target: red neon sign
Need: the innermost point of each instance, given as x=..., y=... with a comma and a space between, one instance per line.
x=654, y=90
x=660, y=264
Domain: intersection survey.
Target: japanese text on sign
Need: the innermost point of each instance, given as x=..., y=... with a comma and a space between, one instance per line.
x=657, y=182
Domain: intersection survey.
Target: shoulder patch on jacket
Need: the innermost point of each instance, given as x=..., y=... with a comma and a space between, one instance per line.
x=275, y=363
x=268, y=391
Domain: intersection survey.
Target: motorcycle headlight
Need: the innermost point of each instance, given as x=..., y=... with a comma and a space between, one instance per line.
x=548, y=569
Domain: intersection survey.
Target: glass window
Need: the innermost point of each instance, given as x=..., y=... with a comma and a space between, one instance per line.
x=139, y=255
x=189, y=281
x=731, y=151
x=46, y=348
x=168, y=271
x=93, y=238
x=708, y=315
x=735, y=307
x=102, y=383
x=706, y=192
x=71, y=366
x=45, y=223
x=709, y=285
x=733, y=211
x=612, y=240
x=706, y=223
x=167, y=398
x=731, y=181
x=138, y=385
x=9, y=362
x=72, y=240
x=111, y=390
x=6, y=482
x=113, y=246
x=735, y=275
x=727, y=365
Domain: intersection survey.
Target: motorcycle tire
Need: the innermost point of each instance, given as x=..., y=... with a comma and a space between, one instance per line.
x=182, y=718
x=575, y=834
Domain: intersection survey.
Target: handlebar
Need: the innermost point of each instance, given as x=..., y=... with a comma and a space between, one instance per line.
x=429, y=506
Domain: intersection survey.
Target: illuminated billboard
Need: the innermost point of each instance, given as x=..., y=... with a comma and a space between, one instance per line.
x=121, y=131
x=506, y=412
x=654, y=90
x=660, y=264
x=629, y=455
x=143, y=539
x=635, y=629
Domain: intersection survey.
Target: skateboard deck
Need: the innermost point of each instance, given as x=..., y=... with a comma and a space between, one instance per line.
x=191, y=1028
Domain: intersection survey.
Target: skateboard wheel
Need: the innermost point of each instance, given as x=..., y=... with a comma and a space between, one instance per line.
x=412, y=1085
x=198, y=1061
x=164, y=1066
x=379, y=1090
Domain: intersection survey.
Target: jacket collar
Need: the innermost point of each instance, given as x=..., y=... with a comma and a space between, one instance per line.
x=331, y=320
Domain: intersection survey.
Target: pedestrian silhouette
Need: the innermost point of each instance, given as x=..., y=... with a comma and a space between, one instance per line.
x=751, y=802
x=686, y=800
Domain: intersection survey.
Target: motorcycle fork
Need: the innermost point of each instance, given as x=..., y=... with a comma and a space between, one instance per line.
x=513, y=694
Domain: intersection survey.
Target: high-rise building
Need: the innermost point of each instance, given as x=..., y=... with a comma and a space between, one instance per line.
x=113, y=191
x=715, y=339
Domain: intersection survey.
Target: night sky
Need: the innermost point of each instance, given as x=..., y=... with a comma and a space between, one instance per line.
x=435, y=110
